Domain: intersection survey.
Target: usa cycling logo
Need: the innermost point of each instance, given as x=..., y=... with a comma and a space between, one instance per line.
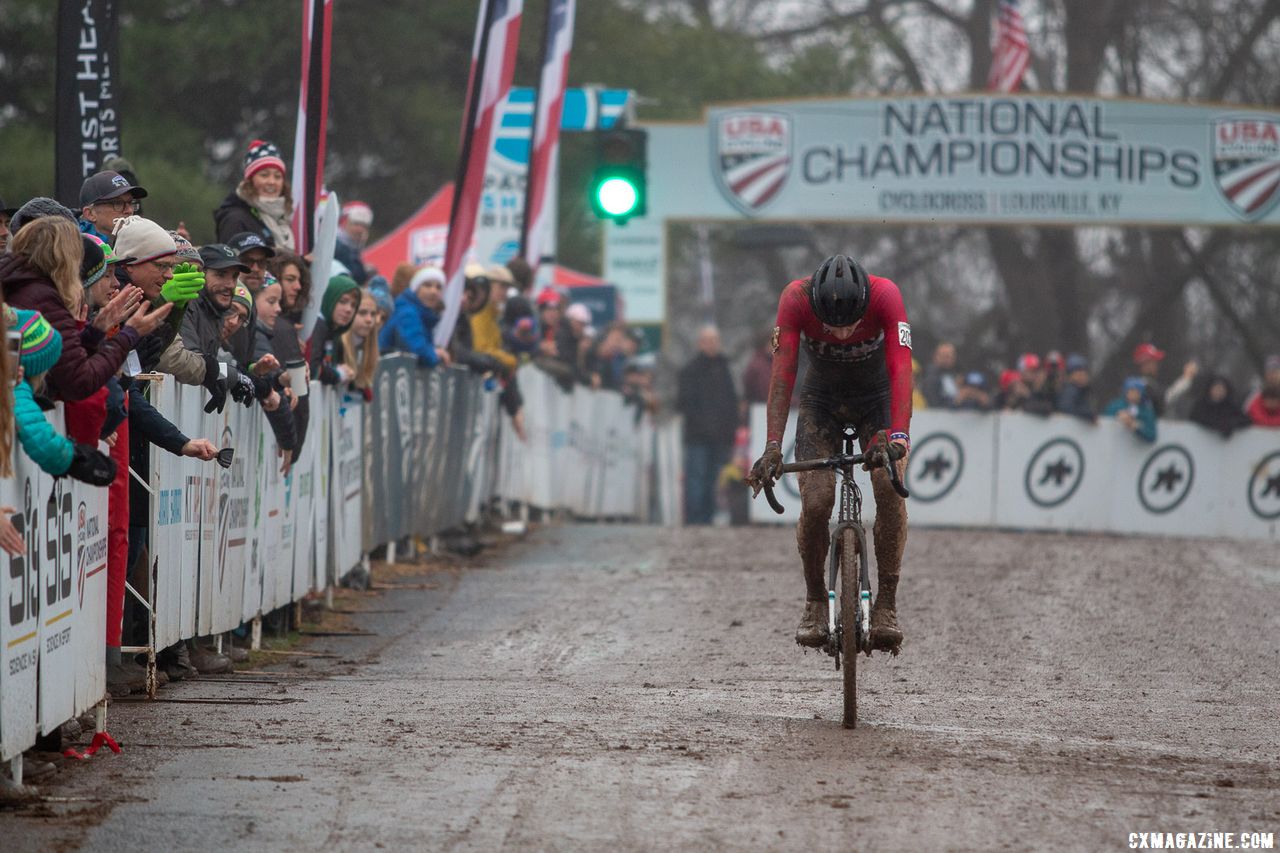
x=753, y=157
x=1246, y=164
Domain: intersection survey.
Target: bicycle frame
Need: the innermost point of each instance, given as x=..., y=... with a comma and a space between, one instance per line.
x=848, y=517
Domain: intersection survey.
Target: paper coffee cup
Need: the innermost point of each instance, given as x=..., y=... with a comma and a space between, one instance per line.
x=298, y=378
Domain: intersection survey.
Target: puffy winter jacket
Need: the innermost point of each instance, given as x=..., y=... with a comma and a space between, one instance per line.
x=410, y=329
x=44, y=444
x=79, y=372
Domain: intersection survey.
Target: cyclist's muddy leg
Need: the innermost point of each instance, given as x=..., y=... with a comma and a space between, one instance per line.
x=815, y=439
x=890, y=533
x=813, y=532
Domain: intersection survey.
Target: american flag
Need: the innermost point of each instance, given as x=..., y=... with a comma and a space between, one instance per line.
x=313, y=109
x=1011, y=54
x=546, y=130
x=493, y=61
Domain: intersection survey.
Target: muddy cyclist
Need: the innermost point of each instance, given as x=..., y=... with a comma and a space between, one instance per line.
x=854, y=327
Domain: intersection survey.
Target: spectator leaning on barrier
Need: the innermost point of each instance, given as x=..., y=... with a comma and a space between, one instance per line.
x=414, y=319
x=164, y=281
x=518, y=305
x=337, y=311
x=360, y=345
x=105, y=197
x=260, y=204
x=202, y=321
x=1218, y=408
x=707, y=400
x=1076, y=395
x=353, y=234
x=266, y=308
x=939, y=385
x=1134, y=410
x=42, y=273
x=475, y=296
x=54, y=453
x=972, y=394
x=1179, y=399
x=1041, y=396
x=1147, y=358
x=295, y=284
x=1263, y=406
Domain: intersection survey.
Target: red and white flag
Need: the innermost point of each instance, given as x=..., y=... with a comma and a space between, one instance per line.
x=543, y=153
x=493, y=61
x=313, y=115
x=1010, y=54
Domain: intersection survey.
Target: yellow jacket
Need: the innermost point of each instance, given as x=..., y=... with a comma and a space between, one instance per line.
x=486, y=335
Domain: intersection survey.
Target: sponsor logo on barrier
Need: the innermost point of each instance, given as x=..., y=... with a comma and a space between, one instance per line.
x=1264, y=488
x=1246, y=164
x=752, y=157
x=934, y=467
x=1165, y=479
x=1054, y=473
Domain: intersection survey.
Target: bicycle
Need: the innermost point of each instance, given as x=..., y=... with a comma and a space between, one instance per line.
x=848, y=564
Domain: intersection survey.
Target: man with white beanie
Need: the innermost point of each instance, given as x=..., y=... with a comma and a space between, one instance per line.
x=353, y=233
x=153, y=266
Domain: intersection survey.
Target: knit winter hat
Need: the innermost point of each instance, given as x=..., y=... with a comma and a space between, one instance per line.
x=357, y=212
x=94, y=265
x=142, y=239
x=41, y=343
x=242, y=295
x=339, y=286
x=36, y=208
x=260, y=155
x=187, y=253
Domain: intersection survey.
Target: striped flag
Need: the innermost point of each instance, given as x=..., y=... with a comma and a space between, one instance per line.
x=313, y=114
x=1010, y=55
x=493, y=61
x=543, y=155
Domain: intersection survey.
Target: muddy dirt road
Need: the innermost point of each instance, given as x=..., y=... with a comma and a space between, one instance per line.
x=638, y=688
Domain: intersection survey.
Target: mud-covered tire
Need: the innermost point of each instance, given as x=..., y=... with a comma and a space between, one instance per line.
x=849, y=556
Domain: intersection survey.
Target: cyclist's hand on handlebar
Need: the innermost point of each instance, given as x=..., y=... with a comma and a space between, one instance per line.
x=767, y=468
x=881, y=451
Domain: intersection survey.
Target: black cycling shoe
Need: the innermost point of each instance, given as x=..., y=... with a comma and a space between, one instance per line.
x=812, y=631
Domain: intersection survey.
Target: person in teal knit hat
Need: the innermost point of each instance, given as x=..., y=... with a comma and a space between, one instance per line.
x=337, y=311
x=54, y=453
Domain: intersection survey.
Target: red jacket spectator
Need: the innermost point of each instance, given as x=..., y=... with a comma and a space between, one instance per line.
x=1264, y=408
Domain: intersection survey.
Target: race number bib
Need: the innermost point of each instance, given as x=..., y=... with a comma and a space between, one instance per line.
x=904, y=335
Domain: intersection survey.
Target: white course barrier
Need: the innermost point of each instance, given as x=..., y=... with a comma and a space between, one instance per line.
x=1014, y=470
x=587, y=452
x=53, y=628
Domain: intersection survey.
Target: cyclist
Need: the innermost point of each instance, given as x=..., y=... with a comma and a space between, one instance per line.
x=854, y=327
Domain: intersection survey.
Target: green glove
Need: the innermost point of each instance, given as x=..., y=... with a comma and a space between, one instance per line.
x=186, y=284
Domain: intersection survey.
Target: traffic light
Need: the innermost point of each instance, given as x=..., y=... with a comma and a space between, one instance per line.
x=618, y=184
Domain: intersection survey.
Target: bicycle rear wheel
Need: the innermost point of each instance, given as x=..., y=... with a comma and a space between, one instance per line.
x=850, y=635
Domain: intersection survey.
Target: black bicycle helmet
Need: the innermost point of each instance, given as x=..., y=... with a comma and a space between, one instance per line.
x=839, y=291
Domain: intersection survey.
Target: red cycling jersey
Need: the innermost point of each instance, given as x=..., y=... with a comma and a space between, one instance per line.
x=880, y=340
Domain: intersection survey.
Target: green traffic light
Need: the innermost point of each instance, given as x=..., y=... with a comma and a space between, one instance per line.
x=617, y=196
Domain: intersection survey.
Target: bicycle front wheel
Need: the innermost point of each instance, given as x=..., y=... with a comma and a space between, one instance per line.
x=851, y=552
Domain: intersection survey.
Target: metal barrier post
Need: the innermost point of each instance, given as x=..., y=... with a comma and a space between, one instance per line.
x=255, y=634
x=15, y=769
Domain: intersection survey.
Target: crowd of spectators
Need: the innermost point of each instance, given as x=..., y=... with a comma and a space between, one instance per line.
x=1054, y=383
x=99, y=299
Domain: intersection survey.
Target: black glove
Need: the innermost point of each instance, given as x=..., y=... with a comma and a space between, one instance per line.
x=242, y=390
x=92, y=466
x=767, y=468
x=216, y=385
x=881, y=451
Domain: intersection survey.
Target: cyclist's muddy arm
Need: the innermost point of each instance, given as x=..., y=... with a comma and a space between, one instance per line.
x=897, y=356
x=786, y=360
